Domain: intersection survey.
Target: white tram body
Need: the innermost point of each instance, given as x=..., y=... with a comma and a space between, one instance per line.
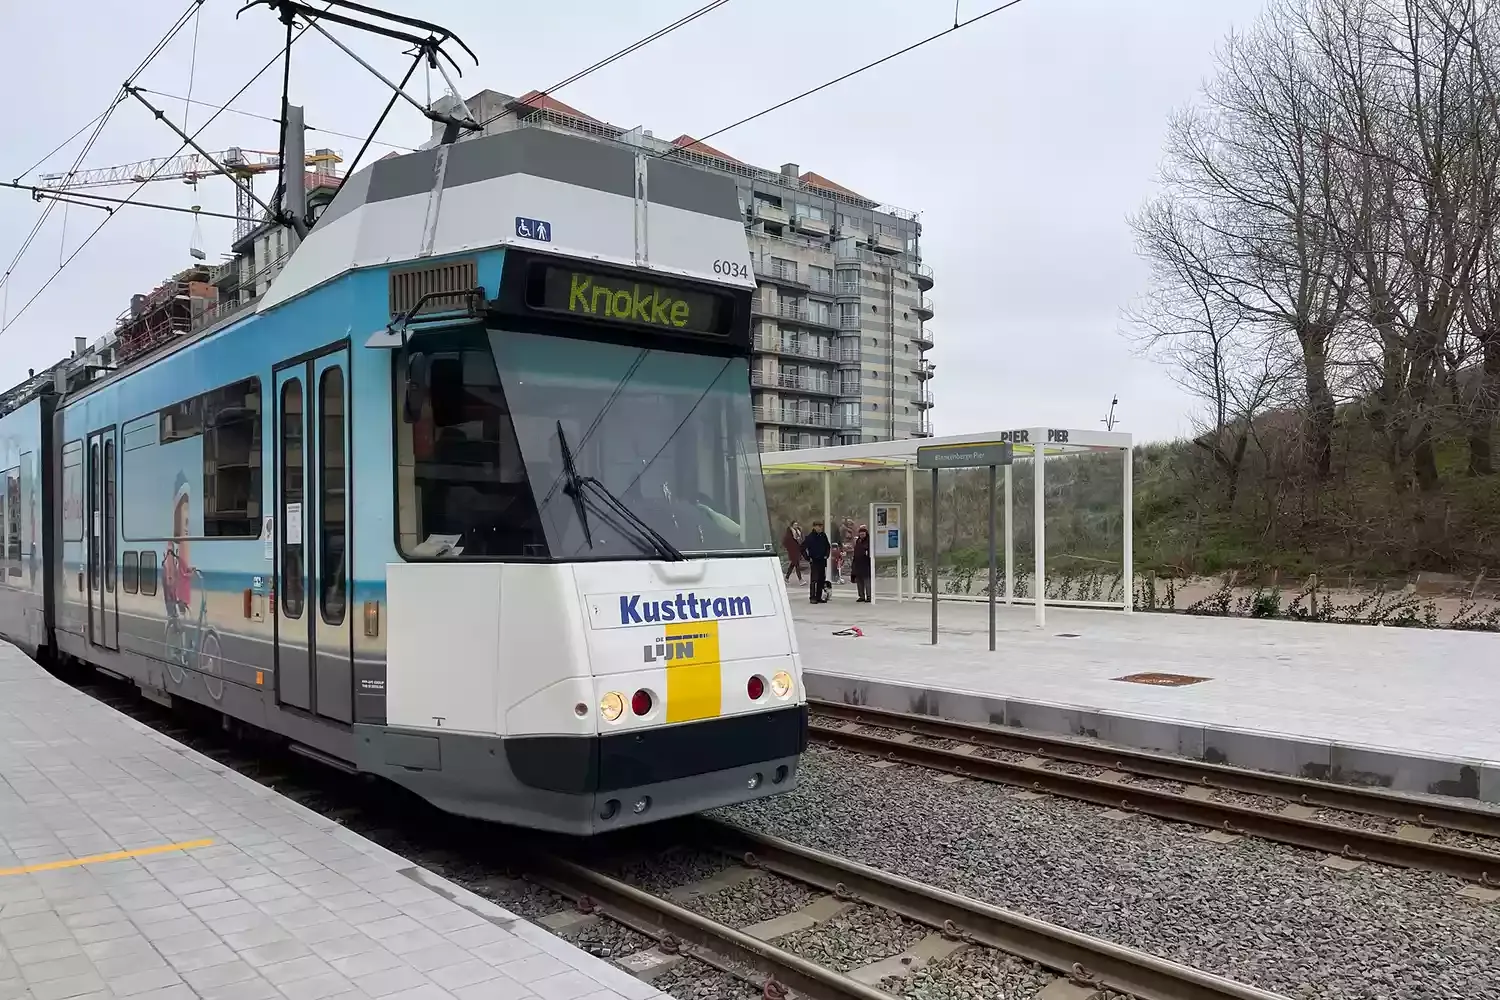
x=469, y=500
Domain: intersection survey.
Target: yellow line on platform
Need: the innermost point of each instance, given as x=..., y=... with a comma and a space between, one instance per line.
x=94, y=859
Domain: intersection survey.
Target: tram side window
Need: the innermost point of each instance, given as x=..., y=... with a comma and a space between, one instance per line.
x=11, y=480
x=461, y=485
x=148, y=573
x=130, y=572
x=72, y=491
x=206, y=456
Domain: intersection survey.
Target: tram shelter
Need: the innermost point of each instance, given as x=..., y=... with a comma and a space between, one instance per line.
x=1029, y=444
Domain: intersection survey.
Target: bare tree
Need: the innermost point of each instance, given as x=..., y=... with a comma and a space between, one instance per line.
x=1217, y=353
x=1256, y=165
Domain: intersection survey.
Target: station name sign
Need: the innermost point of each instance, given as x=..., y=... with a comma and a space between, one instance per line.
x=964, y=456
x=620, y=301
x=1055, y=435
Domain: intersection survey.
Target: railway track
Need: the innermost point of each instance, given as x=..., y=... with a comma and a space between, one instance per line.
x=764, y=963
x=1092, y=966
x=1211, y=795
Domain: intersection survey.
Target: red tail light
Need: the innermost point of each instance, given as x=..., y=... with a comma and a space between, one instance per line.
x=755, y=688
x=640, y=702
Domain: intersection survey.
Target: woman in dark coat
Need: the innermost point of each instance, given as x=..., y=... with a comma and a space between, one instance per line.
x=860, y=570
x=792, y=543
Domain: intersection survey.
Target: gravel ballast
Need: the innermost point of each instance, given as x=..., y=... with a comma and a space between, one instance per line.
x=1251, y=910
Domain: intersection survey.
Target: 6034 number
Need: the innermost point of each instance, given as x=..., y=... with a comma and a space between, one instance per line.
x=731, y=269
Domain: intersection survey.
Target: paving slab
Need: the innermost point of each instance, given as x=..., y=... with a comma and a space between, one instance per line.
x=133, y=866
x=1408, y=709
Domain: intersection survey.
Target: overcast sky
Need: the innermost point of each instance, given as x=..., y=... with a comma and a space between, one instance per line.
x=1024, y=140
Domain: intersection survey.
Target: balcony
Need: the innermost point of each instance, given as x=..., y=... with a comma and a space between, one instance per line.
x=793, y=416
x=922, y=273
x=847, y=322
x=850, y=355
x=799, y=313
x=923, y=338
x=781, y=272
x=925, y=369
x=776, y=345
x=820, y=283
x=818, y=227
x=848, y=289
x=923, y=397
x=793, y=383
x=767, y=212
x=852, y=390
x=887, y=244
x=924, y=308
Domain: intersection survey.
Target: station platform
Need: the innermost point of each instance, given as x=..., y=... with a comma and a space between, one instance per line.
x=132, y=866
x=1410, y=709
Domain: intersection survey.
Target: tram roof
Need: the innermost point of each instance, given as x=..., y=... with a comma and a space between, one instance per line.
x=903, y=453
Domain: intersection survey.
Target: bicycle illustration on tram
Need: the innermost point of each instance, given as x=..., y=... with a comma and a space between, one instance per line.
x=190, y=644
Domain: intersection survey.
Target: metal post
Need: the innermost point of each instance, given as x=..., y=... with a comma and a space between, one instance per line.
x=1039, y=530
x=1010, y=542
x=1128, y=509
x=933, y=575
x=827, y=499
x=909, y=547
x=992, y=559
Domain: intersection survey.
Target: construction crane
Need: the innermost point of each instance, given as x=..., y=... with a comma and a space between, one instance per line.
x=241, y=164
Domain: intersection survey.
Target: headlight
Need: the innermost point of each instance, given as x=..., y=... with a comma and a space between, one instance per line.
x=611, y=706
x=781, y=683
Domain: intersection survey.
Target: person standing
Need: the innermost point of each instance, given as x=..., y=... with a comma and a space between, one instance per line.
x=860, y=570
x=815, y=546
x=792, y=543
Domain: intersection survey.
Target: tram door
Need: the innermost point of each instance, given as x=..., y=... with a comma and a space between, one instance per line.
x=100, y=539
x=314, y=637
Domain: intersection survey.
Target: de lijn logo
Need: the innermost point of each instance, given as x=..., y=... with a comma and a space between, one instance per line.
x=636, y=610
x=673, y=647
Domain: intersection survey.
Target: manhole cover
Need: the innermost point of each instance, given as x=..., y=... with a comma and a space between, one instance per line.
x=1162, y=680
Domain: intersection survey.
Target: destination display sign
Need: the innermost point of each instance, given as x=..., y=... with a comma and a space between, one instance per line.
x=610, y=298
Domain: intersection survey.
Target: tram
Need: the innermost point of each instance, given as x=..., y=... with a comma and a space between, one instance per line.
x=470, y=500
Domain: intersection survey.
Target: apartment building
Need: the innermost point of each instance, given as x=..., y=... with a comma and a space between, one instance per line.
x=840, y=318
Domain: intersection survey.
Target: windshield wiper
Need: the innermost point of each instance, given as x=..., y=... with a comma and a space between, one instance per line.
x=574, y=485
x=655, y=540
x=652, y=540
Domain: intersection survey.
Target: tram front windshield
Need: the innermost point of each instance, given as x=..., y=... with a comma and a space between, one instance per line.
x=489, y=417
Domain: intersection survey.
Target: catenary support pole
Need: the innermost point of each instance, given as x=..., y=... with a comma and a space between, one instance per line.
x=992, y=559
x=933, y=572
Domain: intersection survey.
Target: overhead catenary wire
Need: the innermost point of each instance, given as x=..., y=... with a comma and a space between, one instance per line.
x=957, y=26
x=99, y=123
x=270, y=118
x=660, y=33
x=128, y=199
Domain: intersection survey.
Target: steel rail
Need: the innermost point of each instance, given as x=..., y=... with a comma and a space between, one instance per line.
x=1082, y=959
x=1350, y=842
x=645, y=912
x=1305, y=791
